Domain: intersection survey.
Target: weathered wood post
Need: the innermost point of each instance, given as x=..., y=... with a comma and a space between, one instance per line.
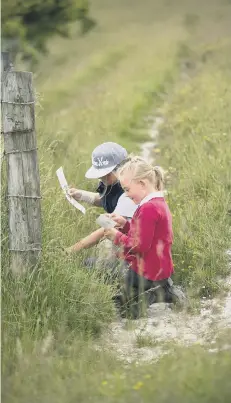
x=23, y=185
x=5, y=62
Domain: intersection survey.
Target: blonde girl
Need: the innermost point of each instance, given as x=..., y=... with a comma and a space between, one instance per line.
x=146, y=241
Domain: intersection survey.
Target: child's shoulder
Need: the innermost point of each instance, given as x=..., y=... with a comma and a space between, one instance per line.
x=155, y=205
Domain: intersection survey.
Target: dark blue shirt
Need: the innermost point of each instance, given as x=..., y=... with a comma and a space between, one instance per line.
x=110, y=195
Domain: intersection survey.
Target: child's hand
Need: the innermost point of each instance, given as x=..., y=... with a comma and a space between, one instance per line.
x=75, y=193
x=110, y=233
x=120, y=221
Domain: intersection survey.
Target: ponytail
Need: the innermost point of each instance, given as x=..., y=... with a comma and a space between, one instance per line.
x=159, y=177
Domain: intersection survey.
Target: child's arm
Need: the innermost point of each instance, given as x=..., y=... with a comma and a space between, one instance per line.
x=87, y=242
x=140, y=237
x=85, y=196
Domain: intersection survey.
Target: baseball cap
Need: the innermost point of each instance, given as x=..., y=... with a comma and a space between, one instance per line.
x=105, y=159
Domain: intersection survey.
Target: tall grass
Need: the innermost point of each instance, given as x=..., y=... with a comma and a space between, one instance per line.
x=195, y=145
x=79, y=105
x=99, y=88
x=95, y=376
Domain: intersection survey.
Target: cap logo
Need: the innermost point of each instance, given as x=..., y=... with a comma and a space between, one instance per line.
x=100, y=162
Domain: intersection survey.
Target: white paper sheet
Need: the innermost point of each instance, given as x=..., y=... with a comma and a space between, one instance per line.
x=64, y=186
x=105, y=222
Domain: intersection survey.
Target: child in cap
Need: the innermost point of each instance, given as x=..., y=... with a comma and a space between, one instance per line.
x=106, y=158
x=146, y=241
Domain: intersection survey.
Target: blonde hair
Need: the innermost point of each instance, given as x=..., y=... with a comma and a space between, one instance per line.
x=140, y=169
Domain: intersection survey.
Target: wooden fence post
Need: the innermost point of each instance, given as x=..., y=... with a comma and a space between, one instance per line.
x=5, y=62
x=23, y=184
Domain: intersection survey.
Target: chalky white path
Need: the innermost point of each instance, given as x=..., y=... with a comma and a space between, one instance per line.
x=147, y=147
x=164, y=325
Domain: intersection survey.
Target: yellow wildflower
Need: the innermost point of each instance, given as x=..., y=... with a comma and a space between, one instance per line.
x=138, y=385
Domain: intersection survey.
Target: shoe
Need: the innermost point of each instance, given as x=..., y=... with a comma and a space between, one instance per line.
x=118, y=298
x=151, y=297
x=175, y=295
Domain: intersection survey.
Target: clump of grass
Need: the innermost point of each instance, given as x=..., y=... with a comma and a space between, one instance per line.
x=80, y=372
x=145, y=340
x=59, y=296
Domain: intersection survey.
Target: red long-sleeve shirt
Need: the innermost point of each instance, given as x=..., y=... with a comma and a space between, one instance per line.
x=147, y=240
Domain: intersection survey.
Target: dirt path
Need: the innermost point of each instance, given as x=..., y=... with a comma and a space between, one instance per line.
x=150, y=338
x=148, y=146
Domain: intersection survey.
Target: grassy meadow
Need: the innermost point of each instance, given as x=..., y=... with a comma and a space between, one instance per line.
x=142, y=57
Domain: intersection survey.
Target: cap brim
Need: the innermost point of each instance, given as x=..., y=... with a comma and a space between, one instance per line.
x=94, y=173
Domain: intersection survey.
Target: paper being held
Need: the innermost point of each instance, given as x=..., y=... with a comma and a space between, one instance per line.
x=64, y=186
x=105, y=222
